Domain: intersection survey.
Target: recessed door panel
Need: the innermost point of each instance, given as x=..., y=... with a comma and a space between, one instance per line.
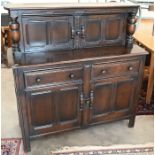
x=60, y=29
x=60, y=32
x=68, y=105
x=124, y=94
x=112, y=29
x=93, y=30
x=102, y=98
x=36, y=33
x=42, y=108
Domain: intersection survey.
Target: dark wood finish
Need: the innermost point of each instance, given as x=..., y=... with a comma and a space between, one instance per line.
x=60, y=109
x=113, y=98
x=131, y=27
x=15, y=34
x=51, y=28
x=59, y=101
x=53, y=76
x=44, y=33
x=93, y=75
x=103, y=30
x=115, y=69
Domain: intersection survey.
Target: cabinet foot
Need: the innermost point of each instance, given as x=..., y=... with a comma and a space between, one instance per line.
x=131, y=122
x=27, y=146
x=27, y=149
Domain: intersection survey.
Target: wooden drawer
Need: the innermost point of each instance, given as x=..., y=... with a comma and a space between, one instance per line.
x=115, y=69
x=53, y=76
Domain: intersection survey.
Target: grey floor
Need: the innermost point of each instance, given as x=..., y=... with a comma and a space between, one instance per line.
x=101, y=135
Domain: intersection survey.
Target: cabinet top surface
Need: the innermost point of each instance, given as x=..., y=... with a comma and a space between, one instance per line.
x=136, y=51
x=20, y=6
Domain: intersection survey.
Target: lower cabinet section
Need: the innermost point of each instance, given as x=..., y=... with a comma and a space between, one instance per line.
x=63, y=96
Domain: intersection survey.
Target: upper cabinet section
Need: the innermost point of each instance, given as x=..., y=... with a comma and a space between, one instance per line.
x=73, y=32
x=67, y=27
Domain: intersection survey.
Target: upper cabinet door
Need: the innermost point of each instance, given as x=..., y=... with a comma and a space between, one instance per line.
x=103, y=30
x=47, y=33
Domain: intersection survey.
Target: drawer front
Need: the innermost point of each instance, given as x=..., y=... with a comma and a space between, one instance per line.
x=115, y=69
x=53, y=76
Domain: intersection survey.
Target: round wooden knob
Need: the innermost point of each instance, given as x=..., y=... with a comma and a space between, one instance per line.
x=38, y=79
x=78, y=33
x=71, y=75
x=88, y=102
x=130, y=68
x=103, y=71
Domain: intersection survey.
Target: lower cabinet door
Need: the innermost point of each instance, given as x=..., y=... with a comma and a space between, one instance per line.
x=112, y=99
x=53, y=110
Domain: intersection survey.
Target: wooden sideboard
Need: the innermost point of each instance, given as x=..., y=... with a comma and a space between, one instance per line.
x=77, y=65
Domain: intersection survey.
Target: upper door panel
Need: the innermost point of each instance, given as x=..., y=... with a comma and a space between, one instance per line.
x=47, y=33
x=103, y=30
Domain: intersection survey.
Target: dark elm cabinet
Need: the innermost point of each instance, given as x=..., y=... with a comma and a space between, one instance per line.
x=77, y=66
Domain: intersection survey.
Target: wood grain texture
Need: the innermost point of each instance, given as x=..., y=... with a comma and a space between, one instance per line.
x=74, y=67
x=144, y=36
x=56, y=107
x=45, y=30
x=68, y=5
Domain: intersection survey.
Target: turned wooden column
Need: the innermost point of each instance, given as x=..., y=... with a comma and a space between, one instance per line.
x=131, y=27
x=15, y=34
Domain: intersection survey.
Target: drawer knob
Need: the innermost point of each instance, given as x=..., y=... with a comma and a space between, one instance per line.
x=103, y=71
x=130, y=68
x=71, y=75
x=38, y=79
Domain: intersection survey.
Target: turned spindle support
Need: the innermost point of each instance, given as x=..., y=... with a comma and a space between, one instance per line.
x=15, y=34
x=131, y=27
